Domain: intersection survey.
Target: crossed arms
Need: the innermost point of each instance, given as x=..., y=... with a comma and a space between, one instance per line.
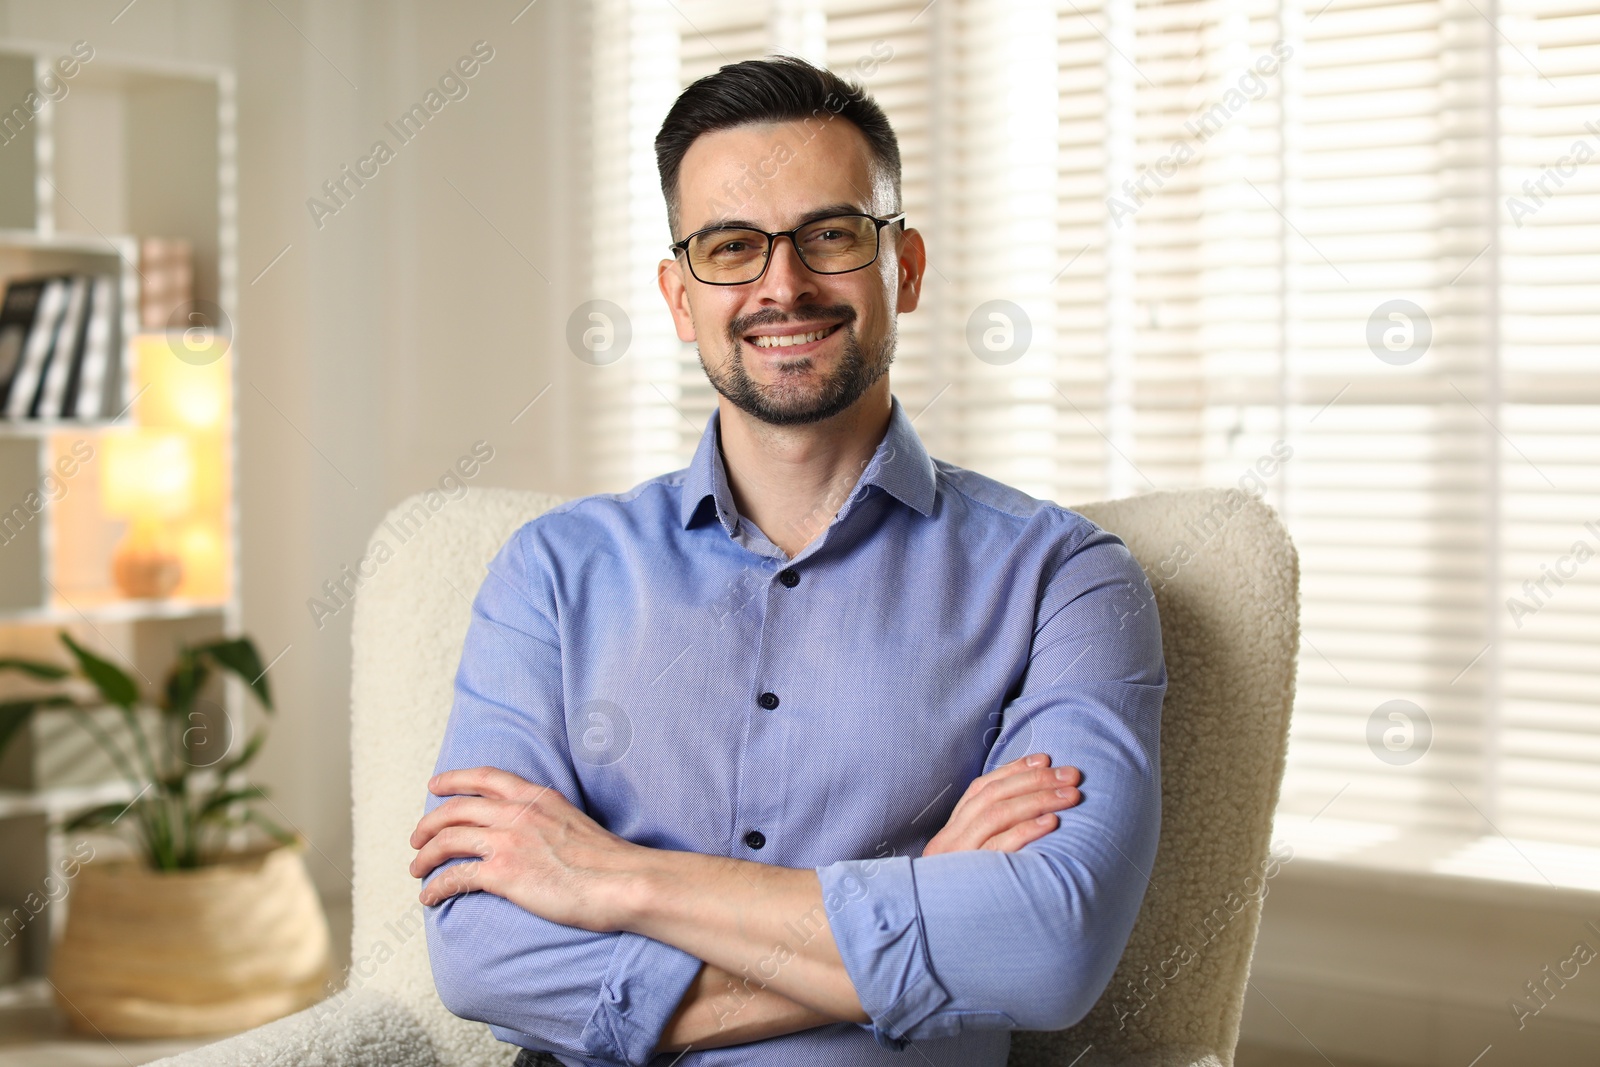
x=579, y=940
x=531, y=846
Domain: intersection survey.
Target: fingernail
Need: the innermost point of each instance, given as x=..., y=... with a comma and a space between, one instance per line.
x=1063, y=773
x=1043, y=820
x=1066, y=794
x=1036, y=760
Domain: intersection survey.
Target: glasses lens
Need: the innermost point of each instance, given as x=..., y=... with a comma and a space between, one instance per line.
x=832, y=246
x=728, y=256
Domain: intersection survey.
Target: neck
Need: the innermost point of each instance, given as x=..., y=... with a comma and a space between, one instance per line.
x=790, y=481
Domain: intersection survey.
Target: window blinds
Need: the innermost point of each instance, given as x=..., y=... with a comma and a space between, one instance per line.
x=1356, y=243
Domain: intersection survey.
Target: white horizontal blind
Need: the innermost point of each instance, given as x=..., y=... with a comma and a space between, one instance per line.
x=1245, y=235
x=1548, y=602
x=648, y=408
x=1388, y=493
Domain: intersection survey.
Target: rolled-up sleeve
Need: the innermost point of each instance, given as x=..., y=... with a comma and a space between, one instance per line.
x=1029, y=939
x=537, y=983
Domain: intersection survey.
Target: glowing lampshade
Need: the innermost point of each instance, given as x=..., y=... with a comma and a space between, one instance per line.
x=148, y=474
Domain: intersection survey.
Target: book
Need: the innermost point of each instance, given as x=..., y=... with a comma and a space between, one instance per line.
x=16, y=318
x=67, y=350
x=85, y=391
x=36, y=350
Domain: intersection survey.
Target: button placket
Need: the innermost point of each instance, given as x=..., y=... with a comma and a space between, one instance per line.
x=758, y=809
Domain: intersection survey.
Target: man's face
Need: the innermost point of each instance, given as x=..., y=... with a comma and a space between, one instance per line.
x=771, y=176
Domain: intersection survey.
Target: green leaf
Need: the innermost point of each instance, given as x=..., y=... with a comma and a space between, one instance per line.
x=278, y=832
x=222, y=800
x=239, y=656
x=102, y=815
x=14, y=714
x=115, y=686
x=185, y=680
x=251, y=747
x=47, y=671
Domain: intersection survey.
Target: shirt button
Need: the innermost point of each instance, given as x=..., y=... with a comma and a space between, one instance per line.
x=788, y=577
x=755, y=838
x=768, y=701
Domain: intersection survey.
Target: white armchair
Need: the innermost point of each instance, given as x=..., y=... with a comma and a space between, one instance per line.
x=1225, y=577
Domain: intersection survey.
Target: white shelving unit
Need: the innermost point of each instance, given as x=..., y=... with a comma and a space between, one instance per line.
x=120, y=150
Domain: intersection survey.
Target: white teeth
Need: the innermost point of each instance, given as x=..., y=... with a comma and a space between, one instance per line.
x=787, y=339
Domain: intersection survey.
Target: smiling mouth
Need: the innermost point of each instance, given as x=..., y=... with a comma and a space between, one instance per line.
x=790, y=340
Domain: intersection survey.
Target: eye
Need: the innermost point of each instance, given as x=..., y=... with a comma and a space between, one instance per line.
x=737, y=245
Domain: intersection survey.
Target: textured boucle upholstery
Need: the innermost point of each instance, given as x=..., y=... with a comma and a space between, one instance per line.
x=1225, y=577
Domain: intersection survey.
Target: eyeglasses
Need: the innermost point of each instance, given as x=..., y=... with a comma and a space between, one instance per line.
x=839, y=244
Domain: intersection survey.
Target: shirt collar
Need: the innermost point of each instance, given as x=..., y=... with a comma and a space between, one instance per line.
x=900, y=466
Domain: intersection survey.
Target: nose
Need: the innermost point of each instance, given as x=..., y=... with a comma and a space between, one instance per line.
x=786, y=277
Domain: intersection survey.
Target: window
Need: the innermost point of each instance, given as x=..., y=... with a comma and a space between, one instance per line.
x=1359, y=239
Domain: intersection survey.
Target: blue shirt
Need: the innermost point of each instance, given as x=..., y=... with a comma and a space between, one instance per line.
x=657, y=659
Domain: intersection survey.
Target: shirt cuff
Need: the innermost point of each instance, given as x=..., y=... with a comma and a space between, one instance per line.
x=877, y=926
x=642, y=988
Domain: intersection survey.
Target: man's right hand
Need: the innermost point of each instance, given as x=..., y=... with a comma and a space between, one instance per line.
x=1009, y=807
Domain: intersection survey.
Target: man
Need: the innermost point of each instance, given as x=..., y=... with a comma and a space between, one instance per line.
x=739, y=760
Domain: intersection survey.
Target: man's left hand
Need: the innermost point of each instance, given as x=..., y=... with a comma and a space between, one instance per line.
x=534, y=848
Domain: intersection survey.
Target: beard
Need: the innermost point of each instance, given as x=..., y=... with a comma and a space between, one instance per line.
x=791, y=400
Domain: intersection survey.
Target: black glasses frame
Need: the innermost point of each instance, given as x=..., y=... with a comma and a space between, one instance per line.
x=772, y=238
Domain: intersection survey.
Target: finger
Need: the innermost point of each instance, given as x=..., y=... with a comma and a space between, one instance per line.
x=1023, y=833
x=1031, y=761
x=979, y=814
x=994, y=818
x=1031, y=780
x=462, y=878
x=450, y=842
x=457, y=811
x=478, y=781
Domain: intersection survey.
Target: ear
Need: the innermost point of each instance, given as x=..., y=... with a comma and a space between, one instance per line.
x=669, y=276
x=913, y=256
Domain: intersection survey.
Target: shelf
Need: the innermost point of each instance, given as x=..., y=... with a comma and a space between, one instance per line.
x=118, y=246
x=107, y=607
x=57, y=802
x=46, y=427
x=147, y=150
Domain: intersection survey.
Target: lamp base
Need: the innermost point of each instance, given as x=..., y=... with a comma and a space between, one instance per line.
x=146, y=572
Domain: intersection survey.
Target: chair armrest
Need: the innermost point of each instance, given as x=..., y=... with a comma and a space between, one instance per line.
x=365, y=1029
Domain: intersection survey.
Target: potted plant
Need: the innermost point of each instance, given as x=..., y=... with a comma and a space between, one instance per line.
x=187, y=937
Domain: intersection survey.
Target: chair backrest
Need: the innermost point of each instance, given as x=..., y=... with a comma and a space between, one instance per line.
x=1225, y=580
x=410, y=623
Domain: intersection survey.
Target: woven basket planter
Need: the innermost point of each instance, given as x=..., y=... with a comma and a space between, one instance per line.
x=217, y=949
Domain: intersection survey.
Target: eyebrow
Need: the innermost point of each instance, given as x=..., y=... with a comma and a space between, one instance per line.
x=840, y=208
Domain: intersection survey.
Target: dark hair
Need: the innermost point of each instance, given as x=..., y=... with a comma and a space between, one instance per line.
x=772, y=89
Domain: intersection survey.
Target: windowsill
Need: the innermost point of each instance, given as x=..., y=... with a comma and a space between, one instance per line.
x=1487, y=868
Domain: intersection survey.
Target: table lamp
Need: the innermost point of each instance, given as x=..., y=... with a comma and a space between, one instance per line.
x=148, y=479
